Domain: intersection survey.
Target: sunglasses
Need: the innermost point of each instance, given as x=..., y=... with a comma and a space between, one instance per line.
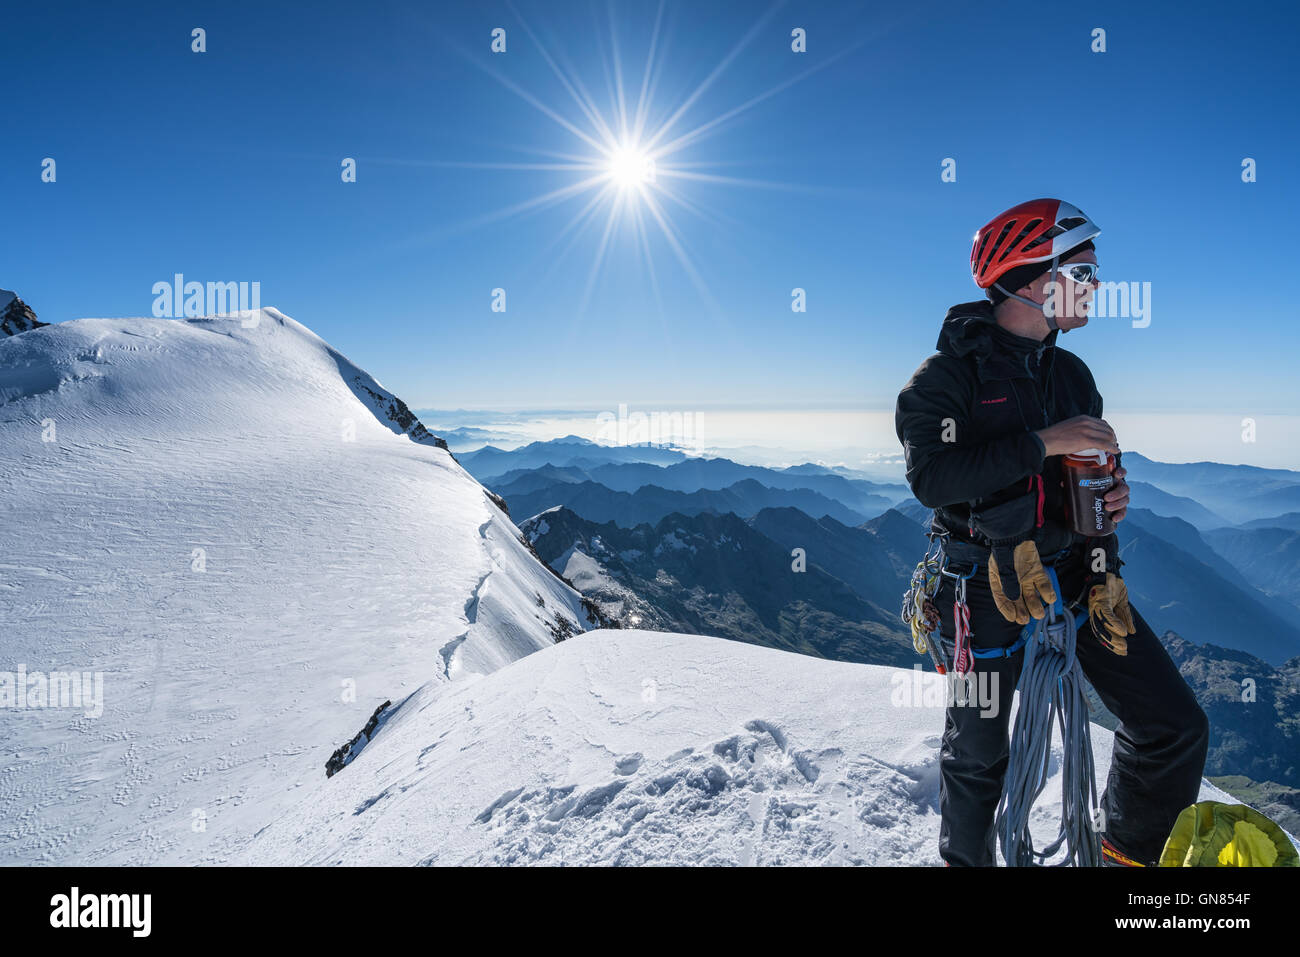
x=1082, y=273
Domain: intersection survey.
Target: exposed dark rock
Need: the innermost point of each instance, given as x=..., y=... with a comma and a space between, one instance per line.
x=562, y=628
x=16, y=316
x=497, y=500
x=344, y=755
x=402, y=417
x=595, y=615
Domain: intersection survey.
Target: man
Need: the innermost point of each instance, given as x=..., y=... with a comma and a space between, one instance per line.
x=985, y=424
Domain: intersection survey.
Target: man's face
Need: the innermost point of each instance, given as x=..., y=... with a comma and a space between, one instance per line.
x=1075, y=299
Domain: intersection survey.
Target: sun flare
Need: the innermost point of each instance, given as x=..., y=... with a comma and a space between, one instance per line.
x=630, y=167
x=631, y=163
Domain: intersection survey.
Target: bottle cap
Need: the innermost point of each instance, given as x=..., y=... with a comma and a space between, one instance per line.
x=1101, y=455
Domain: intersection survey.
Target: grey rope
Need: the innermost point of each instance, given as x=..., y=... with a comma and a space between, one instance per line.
x=1051, y=691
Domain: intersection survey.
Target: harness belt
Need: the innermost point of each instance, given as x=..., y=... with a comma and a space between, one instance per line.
x=1027, y=632
x=960, y=560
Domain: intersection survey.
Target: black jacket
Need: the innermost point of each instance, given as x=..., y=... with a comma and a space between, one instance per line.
x=987, y=390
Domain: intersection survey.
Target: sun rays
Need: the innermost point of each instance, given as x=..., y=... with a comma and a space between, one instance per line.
x=629, y=151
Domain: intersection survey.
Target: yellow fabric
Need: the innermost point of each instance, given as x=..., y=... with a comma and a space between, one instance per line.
x=1212, y=834
x=1035, y=586
x=1110, y=615
x=1249, y=847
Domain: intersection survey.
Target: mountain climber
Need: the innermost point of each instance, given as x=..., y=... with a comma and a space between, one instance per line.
x=984, y=424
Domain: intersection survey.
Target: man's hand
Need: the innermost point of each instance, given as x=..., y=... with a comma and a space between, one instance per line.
x=1080, y=432
x=1117, y=498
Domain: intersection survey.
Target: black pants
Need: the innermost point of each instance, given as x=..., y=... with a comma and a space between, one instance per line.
x=1160, y=745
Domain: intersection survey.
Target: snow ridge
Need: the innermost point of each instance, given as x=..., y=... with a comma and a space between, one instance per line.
x=256, y=545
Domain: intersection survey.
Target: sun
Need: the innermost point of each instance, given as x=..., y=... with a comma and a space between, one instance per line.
x=630, y=167
x=631, y=161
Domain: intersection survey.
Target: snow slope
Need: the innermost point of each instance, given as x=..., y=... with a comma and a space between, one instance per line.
x=256, y=545
x=632, y=747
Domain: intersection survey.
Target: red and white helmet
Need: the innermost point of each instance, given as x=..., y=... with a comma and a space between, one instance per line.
x=1032, y=232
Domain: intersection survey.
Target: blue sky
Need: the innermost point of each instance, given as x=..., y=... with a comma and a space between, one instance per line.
x=224, y=166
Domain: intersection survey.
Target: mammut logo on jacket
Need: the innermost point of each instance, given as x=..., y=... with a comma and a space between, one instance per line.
x=992, y=401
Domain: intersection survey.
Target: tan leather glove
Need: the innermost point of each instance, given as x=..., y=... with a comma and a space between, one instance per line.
x=1035, y=593
x=1109, y=613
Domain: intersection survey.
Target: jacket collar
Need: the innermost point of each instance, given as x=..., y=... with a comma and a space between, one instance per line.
x=970, y=329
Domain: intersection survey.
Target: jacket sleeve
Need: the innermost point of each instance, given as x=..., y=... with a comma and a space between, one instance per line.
x=945, y=473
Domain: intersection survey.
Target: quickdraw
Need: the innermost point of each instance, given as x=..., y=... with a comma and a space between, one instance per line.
x=921, y=614
x=961, y=622
x=919, y=610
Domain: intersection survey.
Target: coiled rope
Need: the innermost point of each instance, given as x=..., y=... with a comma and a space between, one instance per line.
x=1051, y=692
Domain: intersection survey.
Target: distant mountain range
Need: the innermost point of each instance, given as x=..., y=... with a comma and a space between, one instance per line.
x=1207, y=495
x=1253, y=707
x=489, y=461
x=716, y=574
x=1186, y=570
x=628, y=468
x=650, y=503
x=1267, y=557
x=1238, y=493
x=1180, y=583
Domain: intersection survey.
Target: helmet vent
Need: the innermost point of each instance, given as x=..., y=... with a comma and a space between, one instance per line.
x=1029, y=228
x=997, y=244
x=1064, y=226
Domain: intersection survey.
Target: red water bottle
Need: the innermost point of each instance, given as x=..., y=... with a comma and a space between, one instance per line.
x=1089, y=475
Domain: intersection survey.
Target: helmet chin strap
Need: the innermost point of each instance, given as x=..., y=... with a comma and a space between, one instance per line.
x=1040, y=306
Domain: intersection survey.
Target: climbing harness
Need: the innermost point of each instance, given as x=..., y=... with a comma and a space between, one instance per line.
x=921, y=614
x=1051, y=692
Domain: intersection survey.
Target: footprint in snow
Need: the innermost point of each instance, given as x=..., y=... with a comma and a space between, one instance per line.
x=628, y=764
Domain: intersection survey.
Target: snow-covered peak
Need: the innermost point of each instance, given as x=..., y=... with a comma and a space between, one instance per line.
x=255, y=545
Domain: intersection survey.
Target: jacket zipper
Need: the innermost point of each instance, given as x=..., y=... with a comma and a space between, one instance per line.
x=1041, y=397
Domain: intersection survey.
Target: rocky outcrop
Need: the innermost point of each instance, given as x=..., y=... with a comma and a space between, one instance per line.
x=344, y=755
x=15, y=315
x=402, y=419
